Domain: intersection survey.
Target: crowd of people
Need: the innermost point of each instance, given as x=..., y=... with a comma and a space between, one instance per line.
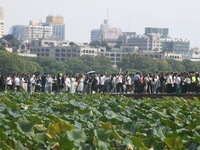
x=104, y=83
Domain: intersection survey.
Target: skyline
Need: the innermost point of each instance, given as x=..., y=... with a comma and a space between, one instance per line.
x=81, y=17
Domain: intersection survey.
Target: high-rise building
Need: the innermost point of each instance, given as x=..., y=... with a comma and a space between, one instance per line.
x=155, y=42
x=176, y=45
x=37, y=30
x=141, y=41
x=1, y=22
x=58, y=26
x=19, y=32
x=105, y=33
x=163, y=32
x=95, y=35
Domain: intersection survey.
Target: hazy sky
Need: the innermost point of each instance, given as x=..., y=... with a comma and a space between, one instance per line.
x=81, y=16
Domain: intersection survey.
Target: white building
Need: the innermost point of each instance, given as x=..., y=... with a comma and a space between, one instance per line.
x=105, y=33
x=1, y=22
x=195, y=54
x=37, y=30
x=176, y=45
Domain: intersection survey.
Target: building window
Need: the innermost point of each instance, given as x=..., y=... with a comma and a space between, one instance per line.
x=106, y=54
x=68, y=55
x=42, y=50
x=38, y=50
x=74, y=50
x=42, y=54
x=113, y=59
x=62, y=59
x=62, y=55
x=57, y=59
x=69, y=50
x=73, y=55
x=47, y=55
x=57, y=54
x=117, y=59
x=63, y=50
x=47, y=50
x=57, y=50
x=117, y=55
x=112, y=55
x=38, y=55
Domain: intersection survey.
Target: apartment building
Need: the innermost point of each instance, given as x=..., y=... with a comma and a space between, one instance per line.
x=1, y=22
x=55, y=49
x=163, y=32
x=176, y=45
x=18, y=32
x=58, y=26
x=105, y=33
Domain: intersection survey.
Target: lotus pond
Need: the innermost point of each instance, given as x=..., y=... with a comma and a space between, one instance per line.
x=97, y=122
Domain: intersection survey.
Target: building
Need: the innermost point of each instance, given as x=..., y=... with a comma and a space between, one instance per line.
x=55, y=49
x=109, y=33
x=123, y=38
x=140, y=41
x=176, y=45
x=1, y=22
x=163, y=32
x=53, y=28
x=161, y=55
x=154, y=42
x=194, y=54
x=19, y=32
x=37, y=30
x=95, y=35
x=58, y=26
x=105, y=33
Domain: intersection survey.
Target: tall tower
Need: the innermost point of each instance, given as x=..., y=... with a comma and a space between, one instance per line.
x=1, y=22
x=58, y=26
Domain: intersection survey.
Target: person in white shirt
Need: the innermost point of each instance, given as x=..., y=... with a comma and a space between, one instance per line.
x=102, y=80
x=32, y=81
x=178, y=83
x=119, y=83
x=17, y=82
x=67, y=83
x=48, y=85
x=9, y=82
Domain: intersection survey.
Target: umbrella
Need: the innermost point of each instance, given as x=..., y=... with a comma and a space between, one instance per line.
x=90, y=72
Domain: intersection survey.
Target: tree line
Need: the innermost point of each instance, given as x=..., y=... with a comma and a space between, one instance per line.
x=11, y=63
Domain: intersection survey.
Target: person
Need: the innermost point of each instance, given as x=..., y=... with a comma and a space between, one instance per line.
x=119, y=79
x=102, y=80
x=137, y=82
x=9, y=82
x=73, y=84
x=67, y=83
x=43, y=82
x=48, y=84
x=33, y=82
x=17, y=82
x=2, y=83
x=80, y=84
x=163, y=83
x=60, y=82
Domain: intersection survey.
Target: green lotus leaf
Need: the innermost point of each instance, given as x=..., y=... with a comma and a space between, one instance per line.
x=174, y=142
x=78, y=136
x=137, y=142
x=26, y=127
